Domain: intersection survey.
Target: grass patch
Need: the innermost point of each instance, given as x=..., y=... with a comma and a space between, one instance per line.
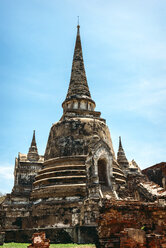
x=23, y=245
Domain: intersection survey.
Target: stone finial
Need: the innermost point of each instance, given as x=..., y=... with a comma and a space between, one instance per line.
x=33, y=152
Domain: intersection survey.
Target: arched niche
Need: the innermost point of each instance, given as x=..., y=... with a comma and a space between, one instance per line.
x=102, y=171
x=103, y=165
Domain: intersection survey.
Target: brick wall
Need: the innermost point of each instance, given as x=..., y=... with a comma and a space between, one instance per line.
x=120, y=224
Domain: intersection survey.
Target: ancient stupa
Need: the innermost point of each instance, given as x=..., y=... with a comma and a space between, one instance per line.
x=62, y=191
x=79, y=153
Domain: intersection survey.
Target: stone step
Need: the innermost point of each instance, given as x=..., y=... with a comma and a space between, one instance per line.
x=72, y=172
x=115, y=169
x=119, y=180
x=118, y=175
x=62, y=167
x=153, y=188
x=107, y=192
x=61, y=180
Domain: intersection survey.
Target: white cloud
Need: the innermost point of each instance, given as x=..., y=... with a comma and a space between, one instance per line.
x=146, y=98
x=6, y=177
x=6, y=171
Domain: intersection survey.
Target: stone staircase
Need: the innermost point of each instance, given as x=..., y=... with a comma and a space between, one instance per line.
x=154, y=189
x=108, y=193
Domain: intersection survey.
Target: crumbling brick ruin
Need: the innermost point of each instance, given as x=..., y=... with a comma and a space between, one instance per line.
x=66, y=192
x=132, y=224
x=39, y=241
x=157, y=174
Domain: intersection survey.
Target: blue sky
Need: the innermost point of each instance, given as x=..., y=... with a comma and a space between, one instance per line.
x=124, y=49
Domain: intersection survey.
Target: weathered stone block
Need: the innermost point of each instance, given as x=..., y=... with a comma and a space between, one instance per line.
x=2, y=238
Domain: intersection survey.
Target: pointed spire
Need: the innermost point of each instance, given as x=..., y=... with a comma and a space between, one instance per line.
x=120, y=143
x=33, y=143
x=78, y=87
x=121, y=157
x=33, y=152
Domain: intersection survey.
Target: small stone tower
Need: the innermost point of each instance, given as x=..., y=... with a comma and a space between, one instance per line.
x=26, y=167
x=17, y=204
x=33, y=152
x=121, y=157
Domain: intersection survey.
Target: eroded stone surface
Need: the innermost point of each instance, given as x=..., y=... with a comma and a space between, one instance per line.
x=2, y=238
x=77, y=136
